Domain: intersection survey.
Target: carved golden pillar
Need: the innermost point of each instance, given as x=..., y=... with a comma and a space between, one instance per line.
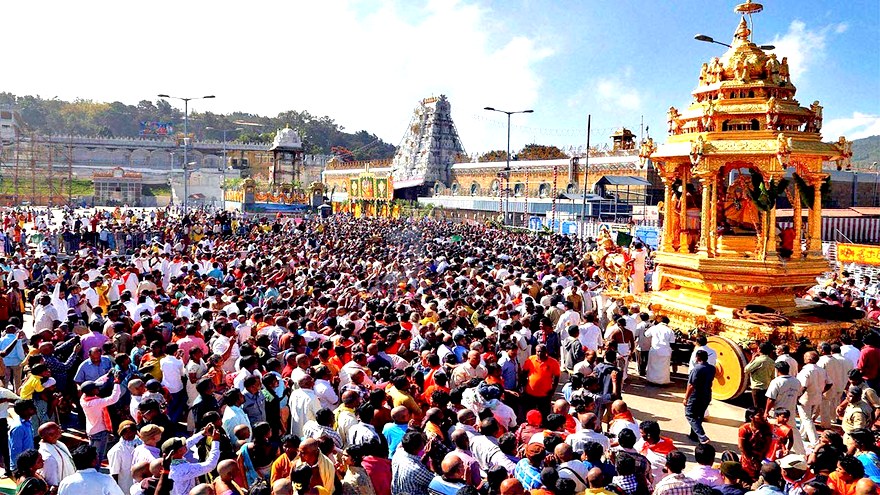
x=814, y=245
x=797, y=221
x=667, y=215
x=771, y=231
x=683, y=242
x=705, y=216
x=713, y=223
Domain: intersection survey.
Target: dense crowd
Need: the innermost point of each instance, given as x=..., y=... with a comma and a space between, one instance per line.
x=228, y=355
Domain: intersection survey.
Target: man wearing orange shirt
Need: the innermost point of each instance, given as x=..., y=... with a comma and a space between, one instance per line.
x=540, y=373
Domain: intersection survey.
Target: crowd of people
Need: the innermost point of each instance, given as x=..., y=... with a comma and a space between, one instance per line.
x=227, y=355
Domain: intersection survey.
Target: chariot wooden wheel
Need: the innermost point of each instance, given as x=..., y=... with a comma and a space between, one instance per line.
x=730, y=377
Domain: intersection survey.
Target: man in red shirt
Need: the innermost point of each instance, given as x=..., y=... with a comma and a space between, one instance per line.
x=540, y=373
x=869, y=360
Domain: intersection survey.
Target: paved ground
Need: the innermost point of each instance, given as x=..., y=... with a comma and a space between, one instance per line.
x=664, y=405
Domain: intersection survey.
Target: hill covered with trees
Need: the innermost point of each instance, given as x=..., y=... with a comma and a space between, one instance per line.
x=117, y=119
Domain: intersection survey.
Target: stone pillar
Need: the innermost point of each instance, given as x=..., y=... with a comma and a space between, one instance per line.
x=797, y=221
x=668, y=211
x=705, y=216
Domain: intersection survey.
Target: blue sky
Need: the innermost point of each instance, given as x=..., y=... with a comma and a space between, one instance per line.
x=367, y=63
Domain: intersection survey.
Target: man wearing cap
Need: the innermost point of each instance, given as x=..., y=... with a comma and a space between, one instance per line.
x=120, y=456
x=148, y=450
x=528, y=469
x=57, y=461
x=796, y=473
x=731, y=472
x=185, y=474
x=98, y=424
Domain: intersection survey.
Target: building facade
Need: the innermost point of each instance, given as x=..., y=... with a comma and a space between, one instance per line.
x=118, y=187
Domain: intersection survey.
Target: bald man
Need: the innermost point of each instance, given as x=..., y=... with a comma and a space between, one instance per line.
x=453, y=476
x=346, y=417
x=512, y=486
x=310, y=454
x=57, y=461
x=595, y=478
x=225, y=483
x=866, y=486
x=394, y=431
x=282, y=487
x=202, y=489
x=621, y=419
x=570, y=467
x=468, y=370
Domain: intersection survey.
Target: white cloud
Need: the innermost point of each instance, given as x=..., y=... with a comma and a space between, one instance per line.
x=611, y=93
x=804, y=46
x=858, y=126
x=365, y=64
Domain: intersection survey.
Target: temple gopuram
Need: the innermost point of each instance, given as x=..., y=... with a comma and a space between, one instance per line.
x=742, y=146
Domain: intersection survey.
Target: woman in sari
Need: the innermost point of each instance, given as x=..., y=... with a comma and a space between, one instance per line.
x=255, y=458
x=755, y=440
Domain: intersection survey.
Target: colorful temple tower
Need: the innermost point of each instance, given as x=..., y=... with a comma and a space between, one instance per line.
x=429, y=147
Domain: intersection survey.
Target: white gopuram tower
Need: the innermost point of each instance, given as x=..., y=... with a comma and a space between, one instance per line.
x=429, y=147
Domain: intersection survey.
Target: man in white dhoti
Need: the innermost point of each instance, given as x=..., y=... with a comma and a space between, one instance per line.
x=662, y=337
x=639, y=255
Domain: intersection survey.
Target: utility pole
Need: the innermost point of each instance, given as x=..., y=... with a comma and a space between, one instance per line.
x=586, y=185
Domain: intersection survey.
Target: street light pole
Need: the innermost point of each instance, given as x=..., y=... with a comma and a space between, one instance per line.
x=586, y=177
x=186, y=143
x=223, y=167
x=876, y=175
x=506, y=173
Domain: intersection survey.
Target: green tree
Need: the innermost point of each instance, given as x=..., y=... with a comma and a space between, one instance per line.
x=540, y=152
x=493, y=156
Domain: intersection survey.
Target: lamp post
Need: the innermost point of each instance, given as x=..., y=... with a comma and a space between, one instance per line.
x=876, y=175
x=185, y=143
x=506, y=172
x=223, y=168
x=709, y=39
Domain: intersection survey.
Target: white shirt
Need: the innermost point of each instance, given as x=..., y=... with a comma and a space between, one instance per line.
x=57, y=462
x=792, y=364
x=304, y=405
x=576, y=471
x=221, y=344
x=172, y=373
x=813, y=380
x=569, y=318
x=590, y=336
x=713, y=356
x=838, y=368
x=851, y=353
x=326, y=395
x=784, y=390
x=5, y=393
x=662, y=338
x=89, y=482
x=119, y=459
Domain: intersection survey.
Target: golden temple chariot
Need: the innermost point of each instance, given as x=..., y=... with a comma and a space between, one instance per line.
x=742, y=144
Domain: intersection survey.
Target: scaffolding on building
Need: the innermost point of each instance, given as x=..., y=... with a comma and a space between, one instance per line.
x=35, y=171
